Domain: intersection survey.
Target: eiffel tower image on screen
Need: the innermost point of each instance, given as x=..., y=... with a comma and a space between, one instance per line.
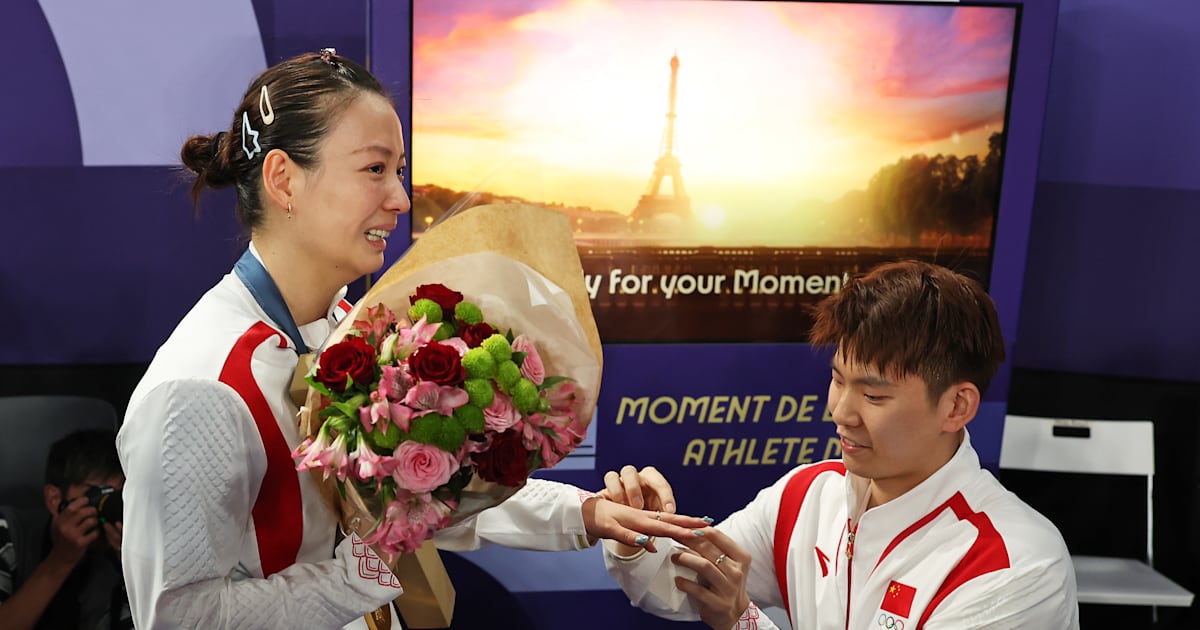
x=675, y=203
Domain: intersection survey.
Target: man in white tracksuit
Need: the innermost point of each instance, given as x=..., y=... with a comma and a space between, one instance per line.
x=906, y=531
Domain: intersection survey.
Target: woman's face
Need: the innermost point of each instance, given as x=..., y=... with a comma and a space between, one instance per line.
x=350, y=203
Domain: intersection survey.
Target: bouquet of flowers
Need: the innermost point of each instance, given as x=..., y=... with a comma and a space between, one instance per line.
x=418, y=407
x=473, y=361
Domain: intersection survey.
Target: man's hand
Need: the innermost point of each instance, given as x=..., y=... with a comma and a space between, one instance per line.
x=644, y=489
x=72, y=531
x=722, y=567
x=112, y=533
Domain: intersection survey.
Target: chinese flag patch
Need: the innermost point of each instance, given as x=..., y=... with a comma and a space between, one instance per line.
x=898, y=599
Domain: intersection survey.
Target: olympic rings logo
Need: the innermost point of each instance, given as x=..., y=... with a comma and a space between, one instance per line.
x=891, y=623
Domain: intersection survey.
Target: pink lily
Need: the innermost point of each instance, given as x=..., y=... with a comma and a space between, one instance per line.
x=402, y=415
x=314, y=454
x=428, y=395
x=339, y=459
x=394, y=382
x=369, y=462
x=561, y=396
x=376, y=323
x=376, y=412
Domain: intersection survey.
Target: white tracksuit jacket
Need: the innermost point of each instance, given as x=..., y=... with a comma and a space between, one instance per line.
x=220, y=529
x=956, y=552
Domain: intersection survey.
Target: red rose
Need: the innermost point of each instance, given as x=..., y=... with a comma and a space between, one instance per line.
x=474, y=334
x=505, y=462
x=444, y=297
x=351, y=357
x=438, y=363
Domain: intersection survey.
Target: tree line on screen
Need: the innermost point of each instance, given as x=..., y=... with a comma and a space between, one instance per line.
x=921, y=197
x=917, y=201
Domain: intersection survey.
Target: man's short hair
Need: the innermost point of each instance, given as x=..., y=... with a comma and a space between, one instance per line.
x=83, y=455
x=914, y=318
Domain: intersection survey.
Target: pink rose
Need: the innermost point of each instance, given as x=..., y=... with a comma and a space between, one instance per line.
x=500, y=415
x=531, y=367
x=420, y=467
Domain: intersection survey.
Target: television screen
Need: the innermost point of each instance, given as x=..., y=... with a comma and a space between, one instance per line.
x=719, y=159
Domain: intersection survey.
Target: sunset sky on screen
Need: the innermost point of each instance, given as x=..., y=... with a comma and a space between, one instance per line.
x=778, y=103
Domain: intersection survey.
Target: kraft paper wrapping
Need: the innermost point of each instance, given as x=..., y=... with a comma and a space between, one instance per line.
x=520, y=265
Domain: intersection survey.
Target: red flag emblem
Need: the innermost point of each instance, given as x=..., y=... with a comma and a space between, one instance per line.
x=898, y=599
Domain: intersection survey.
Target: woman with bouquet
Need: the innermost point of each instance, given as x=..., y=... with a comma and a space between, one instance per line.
x=220, y=528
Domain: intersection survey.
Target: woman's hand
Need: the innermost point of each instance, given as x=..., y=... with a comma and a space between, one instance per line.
x=633, y=528
x=722, y=567
x=636, y=506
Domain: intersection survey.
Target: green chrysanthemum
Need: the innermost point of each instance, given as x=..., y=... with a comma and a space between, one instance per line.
x=479, y=391
x=525, y=396
x=471, y=416
x=507, y=375
x=498, y=347
x=468, y=313
x=385, y=439
x=479, y=364
x=425, y=308
x=444, y=332
x=451, y=435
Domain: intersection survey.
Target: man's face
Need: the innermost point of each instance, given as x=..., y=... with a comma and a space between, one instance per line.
x=891, y=432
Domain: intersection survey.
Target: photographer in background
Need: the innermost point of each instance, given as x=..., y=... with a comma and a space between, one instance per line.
x=62, y=568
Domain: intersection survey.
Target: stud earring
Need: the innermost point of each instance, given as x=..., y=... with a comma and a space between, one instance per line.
x=289, y=209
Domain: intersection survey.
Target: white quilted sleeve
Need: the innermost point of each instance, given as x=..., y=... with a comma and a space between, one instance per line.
x=193, y=461
x=544, y=515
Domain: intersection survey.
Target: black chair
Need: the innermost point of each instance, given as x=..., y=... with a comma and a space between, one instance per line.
x=29, y=425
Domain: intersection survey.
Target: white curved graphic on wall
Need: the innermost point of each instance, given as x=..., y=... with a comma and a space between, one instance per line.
x=146, y=74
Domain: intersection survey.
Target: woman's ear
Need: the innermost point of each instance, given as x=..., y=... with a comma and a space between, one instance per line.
x=962, y=405
x=279, y=175
x=53, y=496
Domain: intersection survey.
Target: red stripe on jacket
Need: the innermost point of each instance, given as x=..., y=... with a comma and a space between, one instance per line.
x=278, y=513
x=988, y=553
x=789, y=512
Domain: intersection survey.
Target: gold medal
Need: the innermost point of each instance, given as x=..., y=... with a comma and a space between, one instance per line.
x=380, y=618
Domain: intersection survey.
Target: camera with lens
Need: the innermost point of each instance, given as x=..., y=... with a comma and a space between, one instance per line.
x=106, y=500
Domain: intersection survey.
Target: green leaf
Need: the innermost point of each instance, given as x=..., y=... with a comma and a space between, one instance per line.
x=519, y=357
x=347, y=409
x=550, y=381
x=319, y=386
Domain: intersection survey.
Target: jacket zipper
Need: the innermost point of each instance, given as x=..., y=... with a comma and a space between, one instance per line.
x=849, y=570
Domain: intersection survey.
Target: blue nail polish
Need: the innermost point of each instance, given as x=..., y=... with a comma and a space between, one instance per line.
x=707, y=519
x=698, y=532
x=641, y=539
